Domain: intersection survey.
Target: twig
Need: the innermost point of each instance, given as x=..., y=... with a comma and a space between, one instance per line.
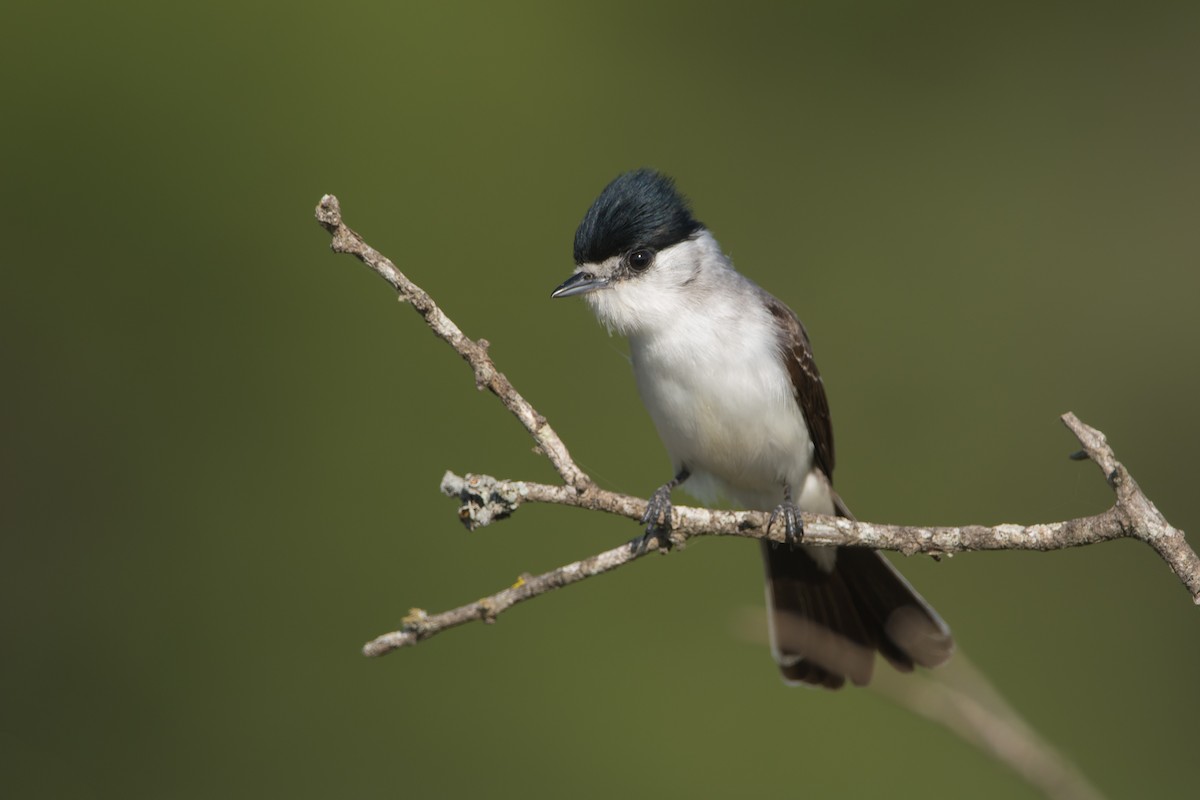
x=485, y=499
x=345, y=240
x=420, y=625
x=1139, y=518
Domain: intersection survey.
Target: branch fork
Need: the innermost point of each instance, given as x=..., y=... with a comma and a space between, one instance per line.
x=485, y=499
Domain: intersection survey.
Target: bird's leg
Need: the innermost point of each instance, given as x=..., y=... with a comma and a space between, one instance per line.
x=789, y=513
x=657, y=518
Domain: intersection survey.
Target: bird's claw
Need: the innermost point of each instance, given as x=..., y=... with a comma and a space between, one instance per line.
x=657, y=519
x=793, y=527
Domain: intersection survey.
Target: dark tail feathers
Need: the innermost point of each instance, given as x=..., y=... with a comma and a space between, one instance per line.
x=827, y=624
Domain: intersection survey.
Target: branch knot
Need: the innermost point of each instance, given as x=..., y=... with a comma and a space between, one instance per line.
x=484, y=499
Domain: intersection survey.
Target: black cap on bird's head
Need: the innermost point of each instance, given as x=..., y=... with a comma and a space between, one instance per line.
x=639, y=209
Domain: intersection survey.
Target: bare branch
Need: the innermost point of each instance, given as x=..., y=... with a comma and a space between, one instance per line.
x=419, y=625
x=1139, y=517
x=485, y=499
x=345, y=240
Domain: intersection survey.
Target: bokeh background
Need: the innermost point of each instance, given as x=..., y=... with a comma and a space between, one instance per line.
x=222, y=443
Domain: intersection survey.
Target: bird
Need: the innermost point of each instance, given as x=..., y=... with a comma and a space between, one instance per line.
x=727, y=374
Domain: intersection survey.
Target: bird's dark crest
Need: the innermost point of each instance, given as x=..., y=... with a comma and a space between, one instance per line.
x=638, y=209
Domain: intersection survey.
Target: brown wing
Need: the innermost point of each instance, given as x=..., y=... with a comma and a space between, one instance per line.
x=807, y=387
x=828, y=623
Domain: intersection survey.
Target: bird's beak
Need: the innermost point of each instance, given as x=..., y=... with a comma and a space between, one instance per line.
x=579, y=283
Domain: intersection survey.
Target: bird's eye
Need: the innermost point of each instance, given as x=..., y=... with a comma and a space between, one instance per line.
x=640, y=260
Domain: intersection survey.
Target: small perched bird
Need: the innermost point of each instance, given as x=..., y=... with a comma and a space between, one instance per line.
x=727, y=374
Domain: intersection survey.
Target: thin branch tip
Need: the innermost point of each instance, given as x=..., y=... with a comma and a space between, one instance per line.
x=329, y=212
x=474, y=353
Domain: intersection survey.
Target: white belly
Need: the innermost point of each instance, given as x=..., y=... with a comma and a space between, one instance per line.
x=726, y=411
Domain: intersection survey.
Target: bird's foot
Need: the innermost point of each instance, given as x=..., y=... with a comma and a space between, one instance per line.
x=657, y=519
x=788, y=513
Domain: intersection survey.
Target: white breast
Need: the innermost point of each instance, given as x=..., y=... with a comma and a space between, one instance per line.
x=723, y=403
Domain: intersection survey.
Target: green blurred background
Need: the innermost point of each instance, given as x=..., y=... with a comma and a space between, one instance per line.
x=222, y=443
